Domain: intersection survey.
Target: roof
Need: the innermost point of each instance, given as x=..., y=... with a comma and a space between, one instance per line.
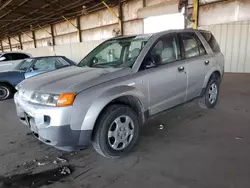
x=45, y=57
x=22, y=15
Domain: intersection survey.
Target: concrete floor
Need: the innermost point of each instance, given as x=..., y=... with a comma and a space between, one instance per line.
x=195, y=149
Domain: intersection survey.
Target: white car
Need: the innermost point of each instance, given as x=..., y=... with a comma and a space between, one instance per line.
x=8, y=60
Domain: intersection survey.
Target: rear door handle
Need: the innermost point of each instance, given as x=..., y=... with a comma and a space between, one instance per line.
x=180, y=69
x=206, y=62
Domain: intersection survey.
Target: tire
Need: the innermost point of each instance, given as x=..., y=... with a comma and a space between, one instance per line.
x=6, y=92
x=107, y=136
x=207, y=101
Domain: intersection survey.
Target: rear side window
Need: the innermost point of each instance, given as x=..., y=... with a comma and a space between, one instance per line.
x=211, y=41
x=22, y=56
x=192, y=45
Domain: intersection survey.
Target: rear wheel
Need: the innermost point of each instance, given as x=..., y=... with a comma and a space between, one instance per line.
x=5, y=92
x=116, y=132
x=210, y=97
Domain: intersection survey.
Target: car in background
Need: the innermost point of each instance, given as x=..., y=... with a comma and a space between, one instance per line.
x=109, y=95
x=28, y=68
x=9, y=60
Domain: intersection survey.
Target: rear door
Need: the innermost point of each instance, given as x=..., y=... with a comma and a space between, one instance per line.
x=168, y=77
x=197, y=62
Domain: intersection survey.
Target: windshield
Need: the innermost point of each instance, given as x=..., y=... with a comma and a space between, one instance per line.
x=24, y=65
x=116, y=53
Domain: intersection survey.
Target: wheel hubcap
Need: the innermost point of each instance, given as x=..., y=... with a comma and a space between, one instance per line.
x=4, y=92
x=121, y=132
x=212, y=93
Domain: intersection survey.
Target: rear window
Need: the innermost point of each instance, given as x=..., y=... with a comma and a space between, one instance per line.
x=211, y=41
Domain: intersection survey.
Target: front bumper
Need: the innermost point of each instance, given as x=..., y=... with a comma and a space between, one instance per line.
x=51, y=125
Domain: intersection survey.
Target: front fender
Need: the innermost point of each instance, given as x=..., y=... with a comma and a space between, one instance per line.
x=104, y=99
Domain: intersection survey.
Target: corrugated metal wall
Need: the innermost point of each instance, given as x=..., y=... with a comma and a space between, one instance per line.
x=234, y=40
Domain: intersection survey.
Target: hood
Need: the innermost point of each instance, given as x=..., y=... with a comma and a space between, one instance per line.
x=72, y=79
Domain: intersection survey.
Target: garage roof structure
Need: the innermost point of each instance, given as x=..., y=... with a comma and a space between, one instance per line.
x=20, y=15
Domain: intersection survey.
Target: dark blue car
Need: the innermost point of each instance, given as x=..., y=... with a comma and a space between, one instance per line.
x=28, y=68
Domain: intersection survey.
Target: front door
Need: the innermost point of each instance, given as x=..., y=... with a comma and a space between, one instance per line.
x=167, y=76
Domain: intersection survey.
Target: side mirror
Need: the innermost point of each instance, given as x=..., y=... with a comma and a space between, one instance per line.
x=148, y=63
x=2, y=58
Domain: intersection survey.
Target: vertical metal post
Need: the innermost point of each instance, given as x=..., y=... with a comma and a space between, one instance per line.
x=20, y=41
x=10, y=43
x=52, y=35
x=195, y=13
x=34, y=38
x=144, y=3
x=78, y=24
x=1, y=45
x=113, y=12
x=121, y=16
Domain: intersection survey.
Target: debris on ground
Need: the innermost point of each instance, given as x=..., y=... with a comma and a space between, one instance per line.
x=12, y=142
x=73, y=153
x=65, y=171
x=35, y=180
x=239, y=138
x=41, y=164
x=161, y=127
x=62, y=160
x=55, y=162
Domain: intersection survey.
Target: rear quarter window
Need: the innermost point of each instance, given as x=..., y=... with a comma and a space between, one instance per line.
x=209, y=37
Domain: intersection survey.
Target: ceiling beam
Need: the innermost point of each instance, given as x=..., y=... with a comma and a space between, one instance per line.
x=59, y=12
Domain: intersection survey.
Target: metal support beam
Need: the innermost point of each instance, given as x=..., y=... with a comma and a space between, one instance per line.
x=113, y=12
x=66, y=19
x=121, y=17
x=10, y=44
x=1, y=45
x=20, y=41
x=79, y=28
x=195, y=13
x=44, y=29
x=27, y=35
x=52, y=35
x=34, y=38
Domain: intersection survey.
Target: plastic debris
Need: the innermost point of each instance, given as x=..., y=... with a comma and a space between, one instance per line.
x=62, y=160
x=239, y=138
x=55, y=162
x=161, y=127
x=65, y=171
x=41, y=164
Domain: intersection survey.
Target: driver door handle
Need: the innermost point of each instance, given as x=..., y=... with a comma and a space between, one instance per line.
x=180, y=69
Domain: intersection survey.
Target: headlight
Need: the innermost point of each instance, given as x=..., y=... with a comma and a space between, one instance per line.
x=44, y=98
x=64, y=99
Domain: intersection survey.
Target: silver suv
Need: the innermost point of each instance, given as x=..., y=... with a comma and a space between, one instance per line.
x=109, y=95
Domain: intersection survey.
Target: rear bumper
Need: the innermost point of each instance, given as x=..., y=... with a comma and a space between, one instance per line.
x=51, y=125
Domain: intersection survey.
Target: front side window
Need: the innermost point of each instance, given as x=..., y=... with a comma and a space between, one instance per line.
x=8, y=57
x=22, y=56
x=166, y=50
x=192, y=46
x=116, y=53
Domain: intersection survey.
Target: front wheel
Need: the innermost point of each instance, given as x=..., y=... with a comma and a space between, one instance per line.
x=210, y=97
x=116, y=131
x=5, y=92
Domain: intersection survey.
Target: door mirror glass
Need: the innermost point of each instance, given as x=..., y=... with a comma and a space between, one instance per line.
x=2, y=58
x=148, y=63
